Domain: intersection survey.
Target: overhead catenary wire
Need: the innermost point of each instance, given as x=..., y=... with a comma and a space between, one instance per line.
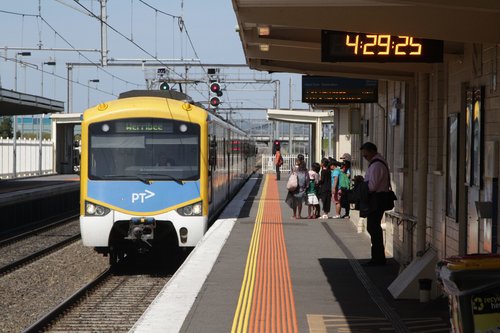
x=35, y=67
x=158, y=10
x=73, y=7
x=42, y=19
x=176, y=18
x=195, y=85
x=18, y=14
x=127, y=38
x=131, y=41
x=87, y=58
x=182, y=26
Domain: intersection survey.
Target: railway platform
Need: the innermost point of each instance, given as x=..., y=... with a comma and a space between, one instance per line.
x=259, y=270
x=18, y=190
x=35, y=201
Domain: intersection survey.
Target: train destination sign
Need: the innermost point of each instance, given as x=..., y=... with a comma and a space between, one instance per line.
x=130, y=127
x=139, y=126
x=335, y=90
x=343, y=46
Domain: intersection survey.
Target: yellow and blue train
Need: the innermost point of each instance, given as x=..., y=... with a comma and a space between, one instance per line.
x=156, y=168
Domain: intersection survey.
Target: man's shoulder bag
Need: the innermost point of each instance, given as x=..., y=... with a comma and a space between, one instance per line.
x=386, y=199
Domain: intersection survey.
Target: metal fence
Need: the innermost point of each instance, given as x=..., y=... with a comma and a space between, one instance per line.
x=28, y=154
x=288, y=161
x=27, y=158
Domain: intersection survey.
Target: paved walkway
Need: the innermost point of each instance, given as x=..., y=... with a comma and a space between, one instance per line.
x=259, y=270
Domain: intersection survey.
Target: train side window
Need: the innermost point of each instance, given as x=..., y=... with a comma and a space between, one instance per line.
x=212, y=153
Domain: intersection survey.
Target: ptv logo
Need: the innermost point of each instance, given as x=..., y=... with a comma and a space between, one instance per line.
x=142, y=196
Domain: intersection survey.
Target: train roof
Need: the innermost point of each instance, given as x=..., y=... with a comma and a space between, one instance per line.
x=172, y=94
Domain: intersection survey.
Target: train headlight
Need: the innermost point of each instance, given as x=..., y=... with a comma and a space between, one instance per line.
x=92, y=209
x=191, y=210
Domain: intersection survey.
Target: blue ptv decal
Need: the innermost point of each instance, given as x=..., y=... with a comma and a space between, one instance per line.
x=139, y=197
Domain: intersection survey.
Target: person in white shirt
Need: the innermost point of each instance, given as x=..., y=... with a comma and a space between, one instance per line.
x=377, y=178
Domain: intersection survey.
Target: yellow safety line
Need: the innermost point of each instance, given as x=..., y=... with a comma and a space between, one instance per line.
x=241, y=316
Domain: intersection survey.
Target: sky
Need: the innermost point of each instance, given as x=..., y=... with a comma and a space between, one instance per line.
x=139, y=30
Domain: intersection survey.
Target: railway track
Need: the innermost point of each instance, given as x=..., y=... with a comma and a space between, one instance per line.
x=111, y=303
x=22, y=249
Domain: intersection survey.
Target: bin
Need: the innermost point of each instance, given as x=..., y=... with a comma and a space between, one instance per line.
x=472, y=283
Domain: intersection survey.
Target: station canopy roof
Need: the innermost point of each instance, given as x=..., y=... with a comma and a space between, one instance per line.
x=285, y=35
x=14, y=103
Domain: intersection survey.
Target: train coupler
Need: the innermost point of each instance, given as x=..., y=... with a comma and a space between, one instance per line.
x=141, y=229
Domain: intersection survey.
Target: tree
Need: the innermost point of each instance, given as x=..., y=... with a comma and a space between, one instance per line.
x=6, y=127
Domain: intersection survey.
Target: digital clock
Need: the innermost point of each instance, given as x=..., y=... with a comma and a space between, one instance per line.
x=342, y=46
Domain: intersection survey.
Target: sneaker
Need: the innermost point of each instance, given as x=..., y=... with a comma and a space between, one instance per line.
x=336, y=217
x=345, y=217
x=323, y=216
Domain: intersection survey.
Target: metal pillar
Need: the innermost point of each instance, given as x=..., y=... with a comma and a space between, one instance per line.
x=423, y=142
x=70, y=89
x=318, y=140
x=104, y=34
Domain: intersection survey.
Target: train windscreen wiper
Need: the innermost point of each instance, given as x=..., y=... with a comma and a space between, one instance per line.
x=161, y=176
x=127, y=177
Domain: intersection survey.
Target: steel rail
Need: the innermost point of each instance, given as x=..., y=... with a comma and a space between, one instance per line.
x=43, y=322
x=44, y=228
x=23, y=261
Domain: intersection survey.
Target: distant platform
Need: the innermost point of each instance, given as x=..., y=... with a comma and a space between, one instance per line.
x=14, y=191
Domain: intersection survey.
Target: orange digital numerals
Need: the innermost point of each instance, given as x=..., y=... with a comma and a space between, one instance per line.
x=383, y=45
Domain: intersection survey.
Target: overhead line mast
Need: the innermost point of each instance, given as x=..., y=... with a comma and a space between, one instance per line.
x=104, y=34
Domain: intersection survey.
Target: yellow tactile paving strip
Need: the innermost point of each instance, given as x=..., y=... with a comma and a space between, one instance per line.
x=266, y=302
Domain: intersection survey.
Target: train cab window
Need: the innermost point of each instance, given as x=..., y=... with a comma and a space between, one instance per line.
x=155, y=149
x=164, y=160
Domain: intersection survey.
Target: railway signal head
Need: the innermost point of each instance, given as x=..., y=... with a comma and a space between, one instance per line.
x=215, y=88
x=276, y=146
x=164, y=86
x=214, y=101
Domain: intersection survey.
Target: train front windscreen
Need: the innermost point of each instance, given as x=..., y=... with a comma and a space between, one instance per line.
x=145, y=149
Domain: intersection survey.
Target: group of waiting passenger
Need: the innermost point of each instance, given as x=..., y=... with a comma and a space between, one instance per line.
x=323, y=183
x=372, y=193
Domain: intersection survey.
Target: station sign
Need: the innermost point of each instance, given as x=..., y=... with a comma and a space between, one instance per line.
x=343, y=46
x=338, y=90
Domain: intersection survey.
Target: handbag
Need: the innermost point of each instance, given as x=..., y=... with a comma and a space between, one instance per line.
x=292, y=183
x=358, y=193
x=386, y=200
x=369, y=202
x=365, y=201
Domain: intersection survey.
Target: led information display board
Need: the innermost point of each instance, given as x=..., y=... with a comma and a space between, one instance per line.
x=342, y=46
x=335, y=90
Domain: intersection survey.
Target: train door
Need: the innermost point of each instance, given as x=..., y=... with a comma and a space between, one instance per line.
x=212, y=164
x=246, y=151
x=227, y=145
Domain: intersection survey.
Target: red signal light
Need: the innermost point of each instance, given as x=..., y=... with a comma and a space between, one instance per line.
x=214, y=101
x=215, y=87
